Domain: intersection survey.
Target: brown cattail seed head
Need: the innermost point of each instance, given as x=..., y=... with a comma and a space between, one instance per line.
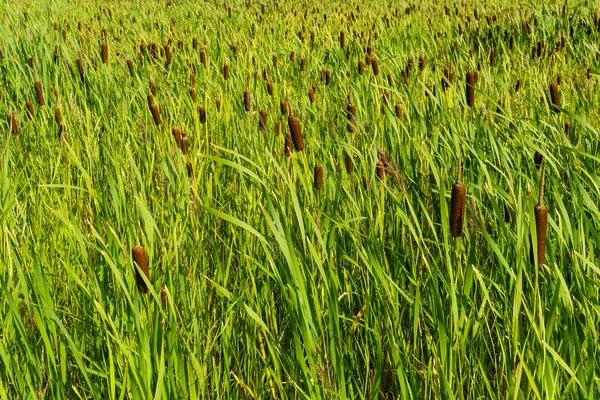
x=58, y=115
x=141, y=262
x=185, y=143
x=351, y=113
x=398, y=111
x=202, y=115
x=177, y=136
x=311, y=94
x=193, y=94
x=152, y=87
x=296, y=132
x=470, y=89
x=226, y=71
x=14, y=124
x=366, y=182
x=318, y=176
x=262, y=121
x=348, y=163
x=283, y=107
x=218, y=104
x=203, y=57
x=104, y=52
x=39, y=94
x=270, y=88
x=247, y=101
x=361, y=67
x=375, y=66
x=155, y=114
x=29, y=107
x=277, y=128
x=555, y=97
x=537, y=159
x=457, y=209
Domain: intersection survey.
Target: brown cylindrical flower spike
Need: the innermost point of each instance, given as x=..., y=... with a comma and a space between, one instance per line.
x=296, y=132
x=470, y=89
x=39, y=94
x=318, y=176
x=29, y=107
x=458, y=204
x=141, y=262
x=541, y=221
x=262, y=121
x=57, y=115
x=104, y=52
x=348, y=163
x=14, y=124
x=555, y=97
x=247, y=101
x=202, y=114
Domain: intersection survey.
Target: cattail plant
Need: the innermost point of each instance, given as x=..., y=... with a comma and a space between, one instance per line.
x=57, y=115
x=185, y=143
x=262, y=121
x=202, y=115
x=318, y=176
x=61, y=131
x=541, y=222
x=458, y=204
x=302, y=65
x=398, y=111
x=218, y=104
x=366, y=182
x=422, y=63
x=190, y=170
x=141, y=263
x=375, y=66
x=29, y=107
x=177, y=135
x=270, y=88
x=361, y=67
x=311, y=94
x=225, y=71
x=247, y=101
x=537, y=159
x=39, y=94
x=277, y=128
x=555, y=97
x=470, y=89
x=203, y=57
x=104, y=52
x=155, y=114
x=193, y=94
x=13, y=123
x=351, y=114
x=283, y=107
x=79, y=64
x=348, y=163
x=296, y=132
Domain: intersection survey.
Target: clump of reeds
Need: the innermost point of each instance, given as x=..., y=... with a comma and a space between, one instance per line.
x=318, y=176
x=555, y=97
x=247, y=101
x=39, y=94
x=262, y=121
x=141, y=262
x=541, y=221
x=458, y=204
x=104, y=52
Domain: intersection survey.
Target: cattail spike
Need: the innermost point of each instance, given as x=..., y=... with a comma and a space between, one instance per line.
x=141, y=261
